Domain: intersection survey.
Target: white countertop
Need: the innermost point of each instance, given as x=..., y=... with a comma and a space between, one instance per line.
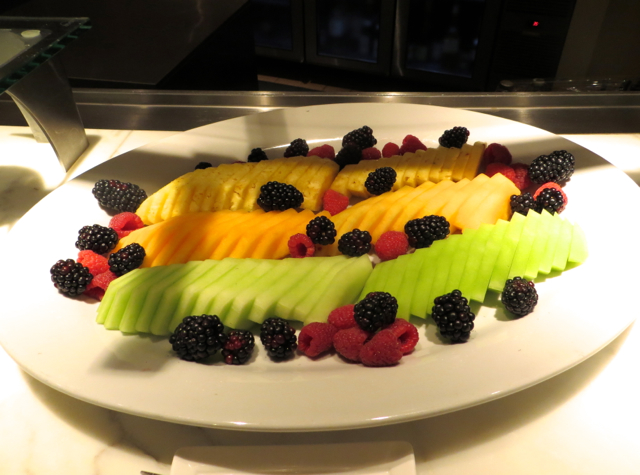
x=584, y=421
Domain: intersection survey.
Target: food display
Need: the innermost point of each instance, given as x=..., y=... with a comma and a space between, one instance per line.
x=267, y=242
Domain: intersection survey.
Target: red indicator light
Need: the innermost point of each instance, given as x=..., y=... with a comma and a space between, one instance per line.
x=535, y=23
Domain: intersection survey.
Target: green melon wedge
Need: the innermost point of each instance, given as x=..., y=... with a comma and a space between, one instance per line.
x=122, y=294
x=563, y=247
x=410, y=277
x=461, y=258
x=550, y=247
x=443, y=267
x=481, y=263
x=579, y=251
x=525, y=245
x=420, y=305
x=539, y=246
x=509, y=244
x=342, y=287
x=377, y=281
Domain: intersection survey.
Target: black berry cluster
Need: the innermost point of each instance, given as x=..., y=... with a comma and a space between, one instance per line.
x=257, y=155
x=551, y=200
x=97, y=238
x=321, y=230
x=453, y=316
x=423, y=231
x=375, y=311
x=361, y=138
x=557, y=167
x=197, y=338
x=279, y=338
x=238, y=348
x=348, y=155
x=276, y=196
x=519, y=296
x=297, y=148
x=380, y=180
x=523, y=203
x=203, y=166
x=119, y=196
x=455, y=137
x=126, y=259
x=70, y=277
x=355, y=243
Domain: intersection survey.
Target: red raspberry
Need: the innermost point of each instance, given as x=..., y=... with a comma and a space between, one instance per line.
x=324, y=151
x=342, y=317
x=554, y=186
x=316, y=338
x=371, y=153
x=406, y=333
x=334, y=202
x=391, y=245
x=522, y=180
x=349, y=342
x=99, y=284
x=390, y=150
x=301, y=245
x=497, y=167
x=382, y=350
x=96, y=263
x=496, y=153
x=411, y=143
x=124, y=223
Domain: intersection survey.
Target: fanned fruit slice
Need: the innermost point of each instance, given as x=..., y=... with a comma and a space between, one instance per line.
x=242, y=292
x=478, y=260
x=236, y=186
x=217, y=235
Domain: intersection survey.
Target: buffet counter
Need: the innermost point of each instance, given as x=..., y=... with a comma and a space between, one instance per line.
x=584, y=421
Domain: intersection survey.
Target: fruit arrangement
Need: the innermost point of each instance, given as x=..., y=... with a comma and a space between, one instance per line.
x=236, y=245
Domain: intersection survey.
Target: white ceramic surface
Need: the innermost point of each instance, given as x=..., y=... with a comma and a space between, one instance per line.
x=56, y=340
x=373, y=458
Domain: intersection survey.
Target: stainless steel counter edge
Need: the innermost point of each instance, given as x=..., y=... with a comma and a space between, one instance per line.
x=557, y=112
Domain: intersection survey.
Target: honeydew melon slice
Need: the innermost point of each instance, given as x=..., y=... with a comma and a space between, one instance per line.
x=375, y=282
x=578, y=252
x=231, y=288
x=480, y=267
x=131, y=314
x=308, y=287
x=420, y=306
x=461, y=257
x=341, y=287
x=554, y=226
x=112, y=292
x=525, y=245
x=539, y=246
x=181, y=298
x=122, y=294
x=242, y=304
x=509, y=243
x=443, y=268
x=564, y=246
x=265, y=301
x=394, y=280
x=404, y=295
x=205, y=303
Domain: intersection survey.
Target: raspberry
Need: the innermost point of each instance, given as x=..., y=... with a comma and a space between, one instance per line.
x=203, y=166
x=342, y=317
x=334, y=202
x=300, y=245
x=406, y=333
x=371, y=153
x=257, y=155
x=382, y=350
x=497, y=167
x=551, y=197
x=391, y=245
x=297, y=148
x=355, y=243
x=126, y=259
x=349, y=342
x=98, y=285
x=99, y=239
x=316, y=338
x=496, y=153
x=124, y=223
x=238, y=347
x=321, y=230
x=324, y=151
x=380, y=180
x=390, y=149
x=276, y=196
x=96, y=263
x=410, y=144
x=522, y=180
x=455, y=137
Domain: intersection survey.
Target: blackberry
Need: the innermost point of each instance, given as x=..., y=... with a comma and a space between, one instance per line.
x=361, y=138
x=203, y=166
x=297, y=148
x=380, y=181
x=238, y=347
x=519, y=296
x=279, y=196
x=551, y=200
x=423, y=231
x=119, y=196
x=96, y=238
x=355, y=243
x=348, y=155
x=523, y=203
x=453, y=316
x=197, y=338
x=321, y=230
x=375, y=311
x=557, y=167
x=126, y=259
x=257, y=155
x=279, y=338
x=455, y=137
x=70, y=277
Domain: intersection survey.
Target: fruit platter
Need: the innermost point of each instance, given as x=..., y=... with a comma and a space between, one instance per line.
x=117, y=344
